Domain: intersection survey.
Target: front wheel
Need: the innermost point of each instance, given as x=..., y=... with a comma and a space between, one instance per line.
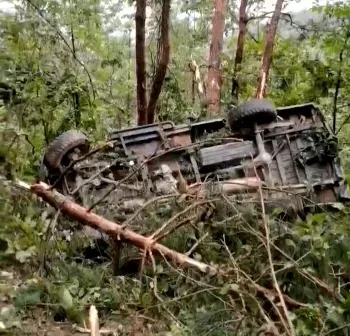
x=58, y=151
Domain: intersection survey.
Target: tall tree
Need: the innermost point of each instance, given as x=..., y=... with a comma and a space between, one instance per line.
x=213, y=86
x=268, y=49
x=242, y=27
x=140, y=18
x=163, y=57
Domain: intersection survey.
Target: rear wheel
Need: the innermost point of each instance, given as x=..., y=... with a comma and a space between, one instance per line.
x=255, y=111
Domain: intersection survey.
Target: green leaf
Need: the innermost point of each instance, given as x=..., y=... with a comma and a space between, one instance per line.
x=146, y=299
x=28, y=298
x=224, y=290
x=22, y=256
x=306, y=238
x=66, y=299
x=234, y=287
x=290, y=242
x=319, y=218
x=338, y=206
x=81, y=292
x=229, y=287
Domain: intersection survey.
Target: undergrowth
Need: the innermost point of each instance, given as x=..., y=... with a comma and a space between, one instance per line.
x=311, y=260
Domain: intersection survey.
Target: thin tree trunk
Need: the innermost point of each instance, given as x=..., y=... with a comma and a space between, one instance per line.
x=163, y=62
x=338, y=85
x=214, y=72
x=128, y=99
x=75, y=95
x=267, y=55
x=140, y=18
x=242, y=26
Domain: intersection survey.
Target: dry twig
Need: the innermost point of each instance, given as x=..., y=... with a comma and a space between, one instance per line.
x=172, y=219
x=268, y=249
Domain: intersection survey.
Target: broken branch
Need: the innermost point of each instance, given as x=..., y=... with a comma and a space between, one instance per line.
x=79, y=213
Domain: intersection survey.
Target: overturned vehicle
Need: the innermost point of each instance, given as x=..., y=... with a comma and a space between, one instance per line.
x=289, y=153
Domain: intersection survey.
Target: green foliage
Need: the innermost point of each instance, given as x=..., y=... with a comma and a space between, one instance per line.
x=71, y=67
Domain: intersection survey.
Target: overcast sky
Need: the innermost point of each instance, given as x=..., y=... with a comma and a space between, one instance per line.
x=292, y=5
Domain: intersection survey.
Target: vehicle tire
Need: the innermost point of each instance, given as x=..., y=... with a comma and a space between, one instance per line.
x=259, y=111
x=62, y=145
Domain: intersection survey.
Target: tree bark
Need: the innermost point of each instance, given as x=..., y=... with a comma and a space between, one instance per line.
x=75, y=95
x=267, y=55
x=242, y=27
x=214, y=72
x=140, y=20
x=163, y=62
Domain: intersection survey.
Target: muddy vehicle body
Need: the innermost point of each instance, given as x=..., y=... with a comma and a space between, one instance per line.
x=290, y=152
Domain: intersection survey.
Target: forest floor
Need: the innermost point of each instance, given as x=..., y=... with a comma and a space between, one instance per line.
x=32, y=321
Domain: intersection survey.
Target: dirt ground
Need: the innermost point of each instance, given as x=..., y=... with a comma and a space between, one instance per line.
x=46, y=328
x=39, y=325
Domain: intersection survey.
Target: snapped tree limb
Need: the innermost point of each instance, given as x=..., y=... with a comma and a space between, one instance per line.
x=79, y=213
x=117, y=231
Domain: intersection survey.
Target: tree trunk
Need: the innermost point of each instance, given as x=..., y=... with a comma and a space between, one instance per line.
x=214, y=72
x=75, y=95
x=140, y=18
x=163, y=62
x=242, y=26
x=267, y=55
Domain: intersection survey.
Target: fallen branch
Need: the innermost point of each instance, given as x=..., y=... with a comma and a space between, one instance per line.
x=196, y=244
x=79, y=213
x=88, y=331
x=233, y=186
